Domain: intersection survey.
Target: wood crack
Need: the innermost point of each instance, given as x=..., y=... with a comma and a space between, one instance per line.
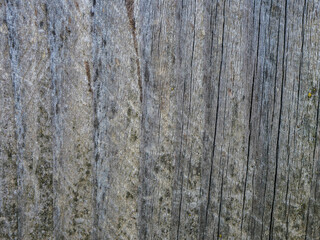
x=216, y=119
x=279, y=126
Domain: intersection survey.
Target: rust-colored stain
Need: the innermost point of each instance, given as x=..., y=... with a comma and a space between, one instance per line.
x=132, y=23
x=77, y=5
x=87, y=66
x=117, y=62
x=130, y=12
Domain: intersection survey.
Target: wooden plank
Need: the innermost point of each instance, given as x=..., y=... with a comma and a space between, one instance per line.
x=165, y=119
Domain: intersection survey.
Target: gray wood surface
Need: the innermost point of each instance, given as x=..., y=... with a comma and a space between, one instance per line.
x=159, y=119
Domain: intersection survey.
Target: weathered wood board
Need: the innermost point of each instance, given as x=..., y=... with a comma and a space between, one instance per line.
x=159, y=119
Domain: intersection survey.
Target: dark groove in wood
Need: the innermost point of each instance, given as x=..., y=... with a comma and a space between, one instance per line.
x=279, y=126
x=216, y=120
